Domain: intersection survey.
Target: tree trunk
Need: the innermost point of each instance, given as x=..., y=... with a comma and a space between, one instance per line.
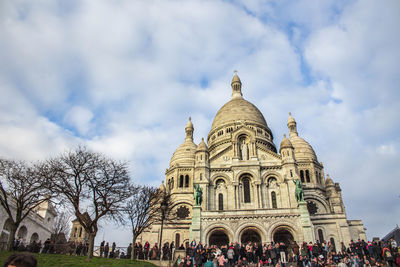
x=133, y=247
x=91, y=245
x=11, y=237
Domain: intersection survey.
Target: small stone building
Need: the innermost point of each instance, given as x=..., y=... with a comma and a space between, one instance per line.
x=36, y=226
x=248, y=184
x=78, y=233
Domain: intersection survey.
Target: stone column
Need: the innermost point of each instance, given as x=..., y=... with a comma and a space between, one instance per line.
x=239, y=198
x=235, y=196
x=308, y=234
x=206, y=200
x=235, y=150
x=195, y=227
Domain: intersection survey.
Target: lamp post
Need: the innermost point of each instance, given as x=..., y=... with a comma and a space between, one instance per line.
x=163, y=209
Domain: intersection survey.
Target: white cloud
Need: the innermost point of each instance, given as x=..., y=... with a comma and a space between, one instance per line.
x=359, y=53
x=387, y=150
x=80, y=118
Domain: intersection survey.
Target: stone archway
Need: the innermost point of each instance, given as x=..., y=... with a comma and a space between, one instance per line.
x=283, y=235
x=22, y=232
x=218, y=237
x=250, y=235
x=34, y=238
x=5, y=232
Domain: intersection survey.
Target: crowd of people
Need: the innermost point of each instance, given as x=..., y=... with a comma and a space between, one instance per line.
x=113, y=252
x=148, y=252
x=71, y=248
x=47, y=246
x=193, y=254
x=359, y=253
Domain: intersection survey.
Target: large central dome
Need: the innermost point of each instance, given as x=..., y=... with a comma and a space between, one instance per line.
x=238, y=110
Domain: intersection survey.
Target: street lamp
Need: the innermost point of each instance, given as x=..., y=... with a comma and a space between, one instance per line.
x=163, y=209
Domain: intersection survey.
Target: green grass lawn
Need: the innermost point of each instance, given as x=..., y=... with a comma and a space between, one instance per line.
x=56, y=260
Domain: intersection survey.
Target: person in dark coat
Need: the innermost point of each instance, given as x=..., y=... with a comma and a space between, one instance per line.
x=113, y=250
x=141, y=254
x=46, y=246
x=275, y=254
x=258, y=252
x=79, y=249
x=242, y=251
x=102, y=248
x=236, y=249
x=171, y=249
x=197, y=257
x=165, y=252
x=129, y=251
x=106, y=250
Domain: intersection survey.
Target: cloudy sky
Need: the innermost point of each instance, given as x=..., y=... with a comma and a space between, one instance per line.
x=123, y=77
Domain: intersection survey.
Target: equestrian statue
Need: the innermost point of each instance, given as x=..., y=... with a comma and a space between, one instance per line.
x=299, y=190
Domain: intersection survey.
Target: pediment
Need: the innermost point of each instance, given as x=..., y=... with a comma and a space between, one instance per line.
x=224, y=153
x=266, y=154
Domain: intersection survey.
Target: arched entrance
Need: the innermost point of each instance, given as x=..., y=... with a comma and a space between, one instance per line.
x=250, y=235
x=219, y=238
x=22, y=232
x=5, y=233
x=34, y=237
x=283, y=235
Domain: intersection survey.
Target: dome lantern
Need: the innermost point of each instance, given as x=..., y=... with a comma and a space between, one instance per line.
x=292, y=126
x=189, y=130
x=236, y=87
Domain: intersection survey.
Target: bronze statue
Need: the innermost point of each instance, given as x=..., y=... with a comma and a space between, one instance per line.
x=198, y=195
x=299, y=190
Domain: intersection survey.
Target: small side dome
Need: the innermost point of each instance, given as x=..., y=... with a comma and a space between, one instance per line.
x=302, y=149
x=285, y=143
x=202, y=146
x=184, y=154
x=328, y=181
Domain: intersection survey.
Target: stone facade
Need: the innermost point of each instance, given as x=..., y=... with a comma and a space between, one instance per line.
x=78, y=233
x=248, y=185
x=36, y=226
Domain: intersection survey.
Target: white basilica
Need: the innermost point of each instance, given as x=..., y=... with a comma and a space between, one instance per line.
x=248, y=188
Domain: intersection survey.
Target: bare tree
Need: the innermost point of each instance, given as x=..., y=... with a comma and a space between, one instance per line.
x=22, y=191
x=144, y=209
x=92, y=185
x=61, y=224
